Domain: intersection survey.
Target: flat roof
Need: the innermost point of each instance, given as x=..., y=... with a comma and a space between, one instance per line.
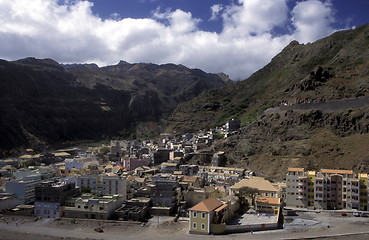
x=295, y=169
x=268, y=200
x=336, y=171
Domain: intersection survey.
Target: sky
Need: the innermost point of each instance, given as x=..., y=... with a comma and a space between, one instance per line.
x=236, y=37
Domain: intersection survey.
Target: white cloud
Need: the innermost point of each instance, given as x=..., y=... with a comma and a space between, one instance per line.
x=312, y=20
x=68, y=31
x=216, y=9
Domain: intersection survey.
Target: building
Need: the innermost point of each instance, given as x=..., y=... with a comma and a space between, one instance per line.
x=160, y=156
x=132, y=163
x=168, y=167
x=268, y=205
x=8, y=201
x=221, y=173
x=24, y=189
x=264, y=187
x=218, y=159
x=103, y=184
x=164, y=190
x=50, y=196
x=326, y=189
x=73, y=163
x=205, y=216
x=233, y=125
x=175, y=154
x=89, y=206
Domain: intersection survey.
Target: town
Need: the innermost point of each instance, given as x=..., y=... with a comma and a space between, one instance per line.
x=177, y=177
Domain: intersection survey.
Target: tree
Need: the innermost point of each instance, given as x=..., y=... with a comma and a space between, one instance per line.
x=247, y=195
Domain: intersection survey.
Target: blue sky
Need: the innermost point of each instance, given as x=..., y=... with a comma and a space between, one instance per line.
x=236, y=37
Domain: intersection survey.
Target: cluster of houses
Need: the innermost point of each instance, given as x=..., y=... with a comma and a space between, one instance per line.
x=135, y=181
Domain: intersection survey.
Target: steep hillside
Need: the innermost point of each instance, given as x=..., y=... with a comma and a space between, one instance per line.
x=43, y=102
x=293, y=76
x=303, y=125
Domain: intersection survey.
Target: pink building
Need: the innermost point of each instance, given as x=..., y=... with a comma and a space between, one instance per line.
x=133, y=163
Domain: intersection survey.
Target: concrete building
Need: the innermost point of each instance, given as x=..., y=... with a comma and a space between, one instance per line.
x=160, y=156
x=326, y=189
x=93, y=207
x=132, y=163
x=73, y=163
x=24, y=189
x=8, y=201
x=103, y=184
x=50, y=196
x=164, y=190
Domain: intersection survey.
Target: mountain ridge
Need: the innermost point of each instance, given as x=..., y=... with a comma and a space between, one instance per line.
x=44, y=103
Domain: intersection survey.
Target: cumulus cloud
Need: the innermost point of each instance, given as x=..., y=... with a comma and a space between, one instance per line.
x=215, y=11
x=68, y=31
x=312, y=20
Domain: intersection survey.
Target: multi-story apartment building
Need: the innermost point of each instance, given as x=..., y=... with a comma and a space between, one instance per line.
x=326, y=189
x=24, y=189
x=164, y=190
x=51, y=195
x=104, y=184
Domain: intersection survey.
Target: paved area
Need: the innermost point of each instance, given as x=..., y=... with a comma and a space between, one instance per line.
x=309, y=225
x=248, y=219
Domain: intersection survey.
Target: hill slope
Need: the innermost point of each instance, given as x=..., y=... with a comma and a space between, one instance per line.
x=43, y=102
x=332, y=68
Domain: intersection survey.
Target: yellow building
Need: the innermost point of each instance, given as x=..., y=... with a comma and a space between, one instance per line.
x=268, y=205
x=205, y=216
x=363, y=177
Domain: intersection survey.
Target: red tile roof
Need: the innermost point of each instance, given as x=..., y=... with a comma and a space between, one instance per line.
x=207, y=205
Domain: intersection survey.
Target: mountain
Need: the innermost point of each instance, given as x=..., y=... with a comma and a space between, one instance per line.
x=44, y=103
x=308, y=107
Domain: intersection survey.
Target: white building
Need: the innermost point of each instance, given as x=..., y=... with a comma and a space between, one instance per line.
x=24, y=189
x=104, y=184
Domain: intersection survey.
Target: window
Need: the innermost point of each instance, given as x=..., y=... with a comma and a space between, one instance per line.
x=194, y=225
x=203, y=215
x=203, y=226
x=195, y=214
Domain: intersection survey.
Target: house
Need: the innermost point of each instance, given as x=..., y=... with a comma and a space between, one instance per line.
x=168, y=167
x=206, y=216
x=264, y=187
x=268, y=205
